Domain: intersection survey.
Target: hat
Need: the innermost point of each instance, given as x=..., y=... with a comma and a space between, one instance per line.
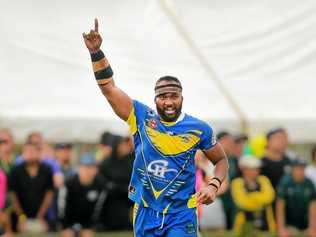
x=107, y=139
x=298, y=162
x=63, y=145
x=249, y=161
x=88, y=159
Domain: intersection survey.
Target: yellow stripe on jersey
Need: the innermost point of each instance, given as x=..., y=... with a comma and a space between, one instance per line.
x=135, y=209
x=171, y=144
x=131, y=121
x=144, y=202
x=192, y=201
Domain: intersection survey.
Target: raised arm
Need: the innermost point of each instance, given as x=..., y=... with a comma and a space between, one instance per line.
x=120, y=102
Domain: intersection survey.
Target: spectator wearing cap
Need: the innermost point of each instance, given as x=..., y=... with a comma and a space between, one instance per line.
x=105, y=147
x=81, y=199
x=310, y=170
x=227, y=142
x=296, y=203
x=63, y=155
x=253, y=195
x=275, y=162
x=117, y=171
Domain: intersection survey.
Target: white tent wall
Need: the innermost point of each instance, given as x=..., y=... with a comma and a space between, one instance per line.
x=263, y=52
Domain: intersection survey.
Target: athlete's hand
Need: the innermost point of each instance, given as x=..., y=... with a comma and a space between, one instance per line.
x=207, y=195
x=93, y=40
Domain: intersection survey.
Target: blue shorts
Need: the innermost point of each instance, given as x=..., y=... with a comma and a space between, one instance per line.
x=150, y=223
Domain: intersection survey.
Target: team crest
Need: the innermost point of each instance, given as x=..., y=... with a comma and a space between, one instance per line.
x=152, y=123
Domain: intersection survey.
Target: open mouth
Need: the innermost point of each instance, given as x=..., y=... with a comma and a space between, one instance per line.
x=170, y=111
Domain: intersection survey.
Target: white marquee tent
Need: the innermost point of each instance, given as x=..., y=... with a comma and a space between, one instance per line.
x=240, y=61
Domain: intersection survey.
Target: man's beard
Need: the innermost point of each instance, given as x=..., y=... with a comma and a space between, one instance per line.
x=167, y=118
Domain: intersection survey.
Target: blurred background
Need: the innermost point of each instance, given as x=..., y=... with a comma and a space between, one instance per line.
x=246, y=67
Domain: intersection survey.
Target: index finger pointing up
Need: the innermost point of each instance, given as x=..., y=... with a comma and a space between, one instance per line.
x=96, y=25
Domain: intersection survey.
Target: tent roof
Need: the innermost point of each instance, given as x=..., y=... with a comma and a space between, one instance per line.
x=262, y=52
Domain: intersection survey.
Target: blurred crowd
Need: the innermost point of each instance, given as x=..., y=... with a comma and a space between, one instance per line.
x=58, y=187
x=270, y=188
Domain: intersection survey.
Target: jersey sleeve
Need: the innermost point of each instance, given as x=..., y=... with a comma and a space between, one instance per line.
x=136, y=116
x=208, y=139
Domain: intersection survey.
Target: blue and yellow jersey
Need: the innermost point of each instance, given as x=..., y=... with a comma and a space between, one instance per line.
x=163, y=175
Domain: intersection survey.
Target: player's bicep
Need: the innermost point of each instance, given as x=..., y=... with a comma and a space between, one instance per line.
x=120, y=102
x=215, y=153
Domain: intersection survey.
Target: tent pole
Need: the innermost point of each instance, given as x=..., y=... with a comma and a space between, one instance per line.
x=205, y=64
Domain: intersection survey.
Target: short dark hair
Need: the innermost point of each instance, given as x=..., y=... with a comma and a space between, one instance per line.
x=32, y=144
x=222, y=134
x=274, y=131
x=169, y=78
x=314, y=152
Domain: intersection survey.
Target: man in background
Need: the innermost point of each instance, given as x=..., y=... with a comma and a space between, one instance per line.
x=310, y=170
x=276, y=163
x=253, y=195
x=296, y=203
x=227, y=142
x=81, y=199
x=32, y=190
x=63, y=156
x=117, y=170
x=7, y=157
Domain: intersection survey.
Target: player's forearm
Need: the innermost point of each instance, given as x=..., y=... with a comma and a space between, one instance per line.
x=102, y=70
x=221, y=168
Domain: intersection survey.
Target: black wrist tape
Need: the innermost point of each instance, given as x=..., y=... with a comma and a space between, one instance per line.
x=214, y=185
x=97, y=56
x=220, y=182
x=104, y=73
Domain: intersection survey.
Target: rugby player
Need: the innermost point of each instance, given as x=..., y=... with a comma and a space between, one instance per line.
x=166, y=140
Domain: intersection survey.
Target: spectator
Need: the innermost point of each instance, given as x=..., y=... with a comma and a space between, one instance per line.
x=46, y=156
x=104, y=149
x=81, y=200
x=275, y=162
x=5, y=227
x=227, y=142
x=253, y=195
x=296, y=203
x=310, y=170
x=7, y=157
x=32, y=187
x=117, y=171
x=63, y=155
x=240, y=141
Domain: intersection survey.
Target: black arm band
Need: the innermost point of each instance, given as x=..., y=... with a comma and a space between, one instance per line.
x=97, y=56
x=220, y=182
x=104, y=73
x=214, y=185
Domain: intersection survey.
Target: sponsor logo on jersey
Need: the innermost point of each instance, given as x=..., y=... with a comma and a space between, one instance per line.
x=159, y=168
